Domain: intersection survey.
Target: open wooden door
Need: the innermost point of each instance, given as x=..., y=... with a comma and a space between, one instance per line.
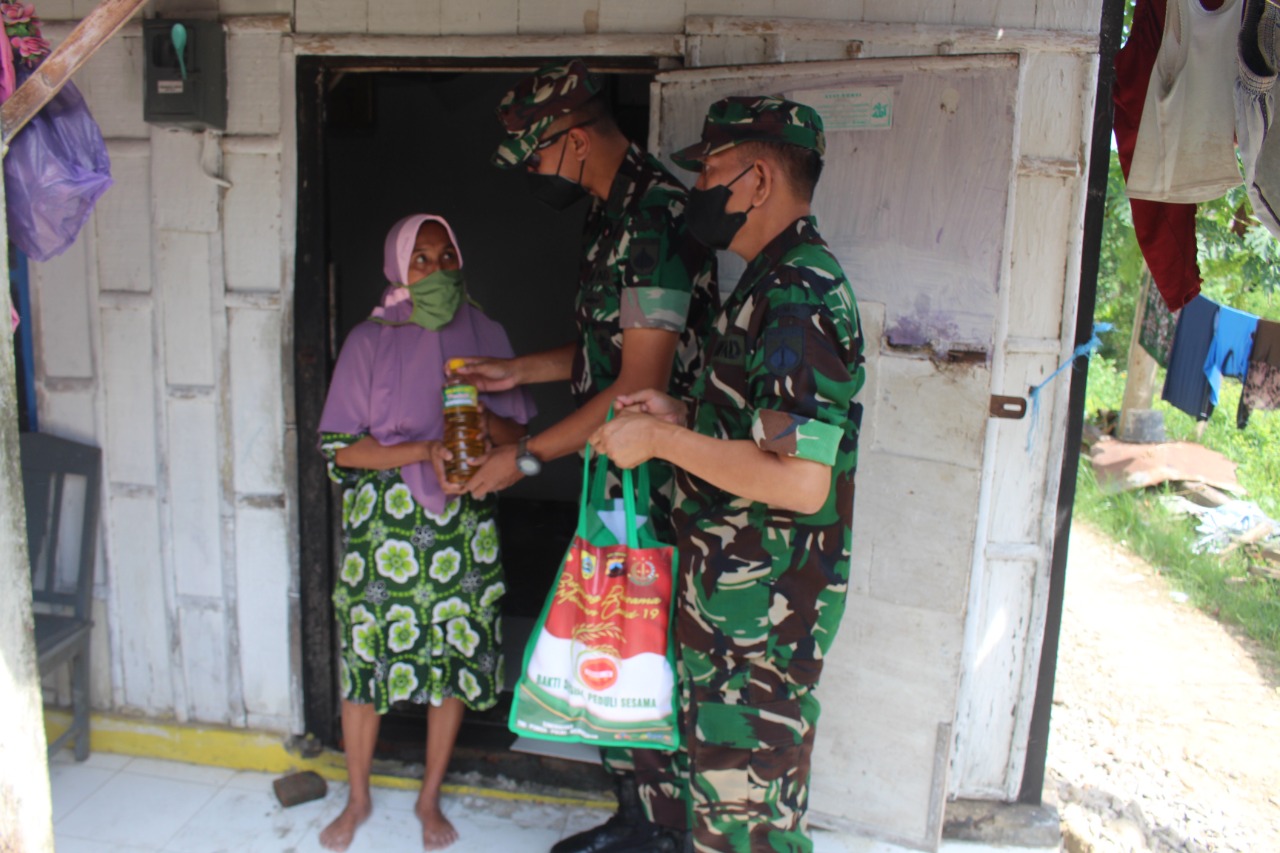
x=914, y=199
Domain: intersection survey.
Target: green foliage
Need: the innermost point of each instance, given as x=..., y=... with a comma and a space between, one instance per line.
x=1238, y=257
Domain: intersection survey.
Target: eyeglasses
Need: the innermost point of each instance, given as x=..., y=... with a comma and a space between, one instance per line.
x=534, y=160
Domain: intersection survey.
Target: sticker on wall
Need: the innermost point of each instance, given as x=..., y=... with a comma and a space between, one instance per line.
x=851, y=109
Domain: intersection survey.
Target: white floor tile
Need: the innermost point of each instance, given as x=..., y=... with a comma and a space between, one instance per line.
x=397, y=799
x=251, y=780
x=96, y=760
x=181, y=771
x=84, y=845
x=70, y=784
x=244, y=822
x=144, y=811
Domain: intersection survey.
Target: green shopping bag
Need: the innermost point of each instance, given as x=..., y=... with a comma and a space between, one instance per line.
x=600, y=665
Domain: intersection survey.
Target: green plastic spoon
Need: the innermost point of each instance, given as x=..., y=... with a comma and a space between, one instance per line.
x=178, y=35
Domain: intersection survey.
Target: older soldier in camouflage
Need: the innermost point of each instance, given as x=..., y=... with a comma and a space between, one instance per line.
x=647, y=296
x=765, y=445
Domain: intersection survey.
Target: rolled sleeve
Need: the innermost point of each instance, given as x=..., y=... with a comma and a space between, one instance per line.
x=789, y=434
x=801, y=385
x=654, y=308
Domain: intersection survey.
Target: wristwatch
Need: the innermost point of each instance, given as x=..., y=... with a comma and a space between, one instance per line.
x=526, y=462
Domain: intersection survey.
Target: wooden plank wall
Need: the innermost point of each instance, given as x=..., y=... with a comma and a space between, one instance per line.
x=162, y=338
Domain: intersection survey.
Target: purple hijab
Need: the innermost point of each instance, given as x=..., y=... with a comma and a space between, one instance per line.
x=388, y=379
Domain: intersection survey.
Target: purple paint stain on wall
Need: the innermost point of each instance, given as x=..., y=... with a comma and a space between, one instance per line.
x=924, y=329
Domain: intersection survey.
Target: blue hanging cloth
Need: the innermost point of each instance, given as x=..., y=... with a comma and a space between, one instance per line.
x=1085, y=349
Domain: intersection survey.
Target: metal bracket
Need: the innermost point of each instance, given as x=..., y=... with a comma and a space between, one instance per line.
x=1013, y=408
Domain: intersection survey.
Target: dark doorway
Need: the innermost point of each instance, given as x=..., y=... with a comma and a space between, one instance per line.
x=375, y=145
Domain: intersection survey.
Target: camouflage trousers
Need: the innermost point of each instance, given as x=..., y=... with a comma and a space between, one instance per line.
x=741, y=779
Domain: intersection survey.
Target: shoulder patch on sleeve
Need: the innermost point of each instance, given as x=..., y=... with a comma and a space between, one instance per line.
x=645, y=254
x=783, y=349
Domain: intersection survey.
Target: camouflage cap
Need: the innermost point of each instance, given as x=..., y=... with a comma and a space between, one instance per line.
x=537, y=101
x=754, y=118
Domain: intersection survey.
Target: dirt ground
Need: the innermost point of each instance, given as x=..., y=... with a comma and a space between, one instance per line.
x=1165, y=734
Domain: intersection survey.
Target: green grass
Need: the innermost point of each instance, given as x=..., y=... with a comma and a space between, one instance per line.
x=1218, y=584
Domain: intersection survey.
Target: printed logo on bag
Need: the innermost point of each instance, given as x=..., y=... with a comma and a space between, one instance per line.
x=588, y=564
x=598, y=674
x=643, y=573
x=616, y=564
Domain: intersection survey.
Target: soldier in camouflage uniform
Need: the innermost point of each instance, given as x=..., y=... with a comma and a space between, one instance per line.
x=646, y=298
x=765, y=445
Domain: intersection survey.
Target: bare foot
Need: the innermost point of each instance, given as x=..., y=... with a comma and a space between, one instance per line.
x=437, y=832
x=337, y=835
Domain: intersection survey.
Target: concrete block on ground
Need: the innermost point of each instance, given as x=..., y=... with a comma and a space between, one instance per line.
x=186, y=291
x=252, y=254
x=60, y=299
x=257, y=410
x=128, y=385
x=195, y=497
x=253, y=83
x=263, y=572
x=138, y=603
x=122, y=222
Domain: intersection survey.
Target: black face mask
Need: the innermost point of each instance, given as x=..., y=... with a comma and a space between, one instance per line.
x=705, y=215
x=556, y=191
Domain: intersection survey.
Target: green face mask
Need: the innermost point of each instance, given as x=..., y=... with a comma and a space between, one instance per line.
x=435, y=300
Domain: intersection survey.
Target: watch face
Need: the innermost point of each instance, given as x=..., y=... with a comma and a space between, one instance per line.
x=528, y=464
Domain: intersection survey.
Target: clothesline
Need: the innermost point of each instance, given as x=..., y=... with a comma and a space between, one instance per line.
x=1211, y=341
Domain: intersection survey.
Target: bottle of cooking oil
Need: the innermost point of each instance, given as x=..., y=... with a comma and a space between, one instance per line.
x=463, y=433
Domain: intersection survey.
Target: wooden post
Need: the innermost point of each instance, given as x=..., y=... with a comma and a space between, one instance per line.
x=90, y=34
x=1140, y=378
x=26, y=811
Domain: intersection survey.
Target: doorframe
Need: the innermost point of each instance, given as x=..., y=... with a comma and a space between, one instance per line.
x=314, y=352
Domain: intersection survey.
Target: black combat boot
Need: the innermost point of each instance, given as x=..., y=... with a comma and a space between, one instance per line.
x=628, y=831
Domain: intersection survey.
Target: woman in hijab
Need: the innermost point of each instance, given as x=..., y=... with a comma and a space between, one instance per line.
x=417, y=594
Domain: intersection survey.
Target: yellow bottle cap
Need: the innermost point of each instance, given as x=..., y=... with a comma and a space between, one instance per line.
x=455, y=363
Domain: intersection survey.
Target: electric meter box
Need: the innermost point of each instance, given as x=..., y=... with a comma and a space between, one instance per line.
x=185, y=74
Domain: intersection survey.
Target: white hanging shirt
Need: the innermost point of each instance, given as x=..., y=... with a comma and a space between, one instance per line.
x=1185, y=151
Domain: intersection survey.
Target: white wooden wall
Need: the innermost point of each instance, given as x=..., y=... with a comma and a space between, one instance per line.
x=163, y=334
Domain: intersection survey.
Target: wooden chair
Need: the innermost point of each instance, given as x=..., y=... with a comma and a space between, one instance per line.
x=60, y=516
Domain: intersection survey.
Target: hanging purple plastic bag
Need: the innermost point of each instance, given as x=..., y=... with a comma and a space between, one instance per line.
x=54, y=172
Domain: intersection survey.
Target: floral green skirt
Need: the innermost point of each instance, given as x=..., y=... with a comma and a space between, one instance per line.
x=417, y=595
